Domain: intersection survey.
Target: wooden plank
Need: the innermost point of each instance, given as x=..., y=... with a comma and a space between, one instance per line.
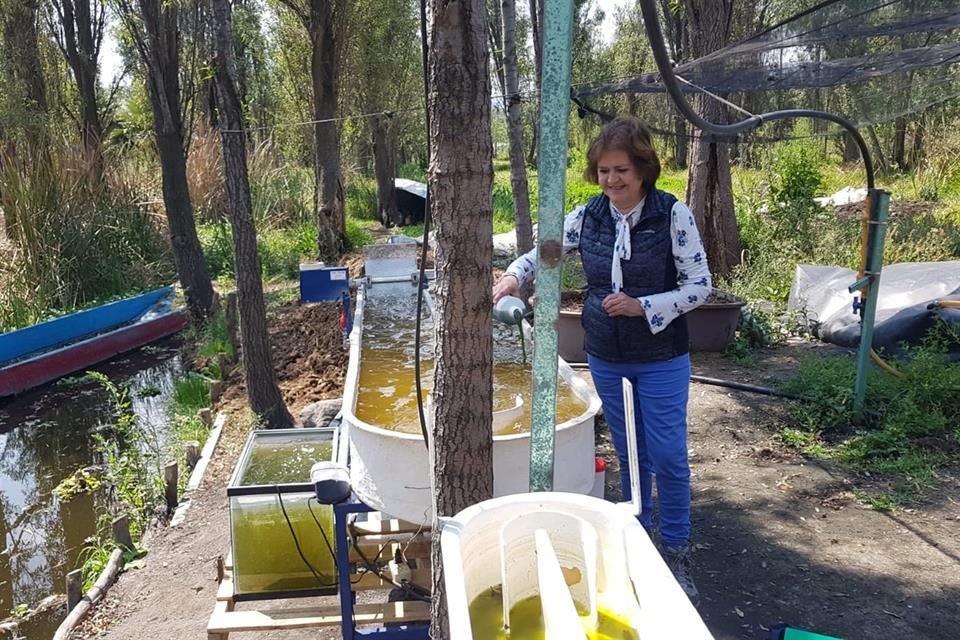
x=307, y=617
x=225, y=589
x=376, y=526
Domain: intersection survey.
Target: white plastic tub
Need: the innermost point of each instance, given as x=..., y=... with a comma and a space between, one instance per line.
x=389, y=470
x=631, y=579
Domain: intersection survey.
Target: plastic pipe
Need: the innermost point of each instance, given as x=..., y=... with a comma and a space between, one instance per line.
x=557, y=34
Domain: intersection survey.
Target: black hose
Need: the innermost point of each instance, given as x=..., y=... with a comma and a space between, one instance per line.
x=651, y=22
x=752, y=388
x=426, y=228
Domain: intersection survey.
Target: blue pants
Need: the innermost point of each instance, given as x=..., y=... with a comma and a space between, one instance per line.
x=660, y=393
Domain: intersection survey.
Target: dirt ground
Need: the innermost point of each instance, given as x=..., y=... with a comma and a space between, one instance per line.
x=777, y=538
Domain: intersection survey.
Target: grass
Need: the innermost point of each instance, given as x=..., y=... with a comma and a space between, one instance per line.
x=910, y=428
x=190, y=394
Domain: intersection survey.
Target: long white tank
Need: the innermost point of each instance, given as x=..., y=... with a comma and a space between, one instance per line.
x=390, y=470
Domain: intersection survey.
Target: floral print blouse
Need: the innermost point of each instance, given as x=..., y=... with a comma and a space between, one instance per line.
x=694, y=282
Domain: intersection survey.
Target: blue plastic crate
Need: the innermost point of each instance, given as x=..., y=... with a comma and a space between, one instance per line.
x=319, y=283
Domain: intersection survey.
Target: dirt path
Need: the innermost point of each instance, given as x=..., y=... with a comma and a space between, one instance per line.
x=778, y=539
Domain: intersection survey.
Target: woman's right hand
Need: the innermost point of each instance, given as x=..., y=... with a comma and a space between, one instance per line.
x=507, y=286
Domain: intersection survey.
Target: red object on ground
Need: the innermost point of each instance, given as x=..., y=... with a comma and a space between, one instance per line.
x=600, y=465
x=51, y=365
x=343, y=318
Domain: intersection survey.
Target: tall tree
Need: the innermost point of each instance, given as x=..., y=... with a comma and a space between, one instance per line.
x=22, y=51
x=262, y=390
x=536, y=25
x=709, y=187
x=319, y=19
x=677, y=37
x=461, y=182
x=78, y=32
x=382, y=72
x=154, y=27
x=518, y=168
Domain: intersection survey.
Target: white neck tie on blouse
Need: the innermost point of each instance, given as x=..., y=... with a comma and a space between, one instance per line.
x=621, y=246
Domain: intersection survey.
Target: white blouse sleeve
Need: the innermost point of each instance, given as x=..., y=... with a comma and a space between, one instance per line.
x=525, y=267
x=694, y=282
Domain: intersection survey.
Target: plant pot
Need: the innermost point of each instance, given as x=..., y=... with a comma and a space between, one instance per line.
x=570, y=337
x=712, y=326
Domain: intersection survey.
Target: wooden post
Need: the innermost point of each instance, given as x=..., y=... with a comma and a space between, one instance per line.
x=121, y=532
x=216, y=390
x=193, y=453
x=74, y=588
x=171, y=475
x=206, y=416
x=233, y=323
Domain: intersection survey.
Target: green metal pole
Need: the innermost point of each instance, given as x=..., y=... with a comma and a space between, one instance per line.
x=879, y=203
x=554, y=111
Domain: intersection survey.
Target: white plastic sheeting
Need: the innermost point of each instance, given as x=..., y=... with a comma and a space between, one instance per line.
x=906, y=291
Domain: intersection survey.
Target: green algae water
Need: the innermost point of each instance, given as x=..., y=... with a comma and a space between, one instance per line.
x=284, y=462
x=526, y=620
x=265, y=555
x=386, y=394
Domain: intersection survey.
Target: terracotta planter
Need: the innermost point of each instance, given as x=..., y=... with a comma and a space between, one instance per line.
x=712, y=326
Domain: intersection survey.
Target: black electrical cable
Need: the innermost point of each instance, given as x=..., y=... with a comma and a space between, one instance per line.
x=425, y=246
x=326, y=540
x=296, y=543
x=652, y=24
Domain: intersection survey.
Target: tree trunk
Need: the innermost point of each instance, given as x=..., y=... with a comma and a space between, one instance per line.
x=900, y=144
x=266, y=402
x=709, y=187
x=21, y=47
x=461, y=181
x=851, y=152
x=385, y=168
x=916, y=145
x=158, y=44
x=518, y=168
x=324, y=59
x=536, y=24
x=81, y=46
x=682, y=144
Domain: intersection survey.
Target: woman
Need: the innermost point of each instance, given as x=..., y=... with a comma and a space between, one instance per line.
x=646, y=267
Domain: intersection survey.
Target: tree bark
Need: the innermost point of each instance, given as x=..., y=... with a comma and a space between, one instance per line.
x=518, y=168
x=709, y=187
x=385, y=168
x=262, y=390
x=900, y=144
x=82, y=24
x=21, y=47
x=158, y=43
x=536, y=24
x=461, y=180
x=324, y=60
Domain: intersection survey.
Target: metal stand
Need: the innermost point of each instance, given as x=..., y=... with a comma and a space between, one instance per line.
x=398, y=631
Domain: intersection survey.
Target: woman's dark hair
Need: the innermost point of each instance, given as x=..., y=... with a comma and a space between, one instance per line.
x=631, y=136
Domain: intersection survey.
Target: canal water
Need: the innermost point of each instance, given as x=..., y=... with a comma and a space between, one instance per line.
x=45, y=436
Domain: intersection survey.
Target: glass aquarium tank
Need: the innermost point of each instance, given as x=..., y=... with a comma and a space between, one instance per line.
x=282, y=539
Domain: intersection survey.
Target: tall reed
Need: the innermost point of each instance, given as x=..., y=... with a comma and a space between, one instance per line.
x=74, y=236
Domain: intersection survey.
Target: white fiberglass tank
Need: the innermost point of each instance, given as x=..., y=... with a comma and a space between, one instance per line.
x=389, y=467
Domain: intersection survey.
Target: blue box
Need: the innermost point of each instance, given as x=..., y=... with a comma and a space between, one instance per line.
x=319, y=283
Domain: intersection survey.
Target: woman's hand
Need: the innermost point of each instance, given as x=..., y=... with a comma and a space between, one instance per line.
x=620, y=304
x=508, y=286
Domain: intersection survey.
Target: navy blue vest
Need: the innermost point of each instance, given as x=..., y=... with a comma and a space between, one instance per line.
x=650, y=270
